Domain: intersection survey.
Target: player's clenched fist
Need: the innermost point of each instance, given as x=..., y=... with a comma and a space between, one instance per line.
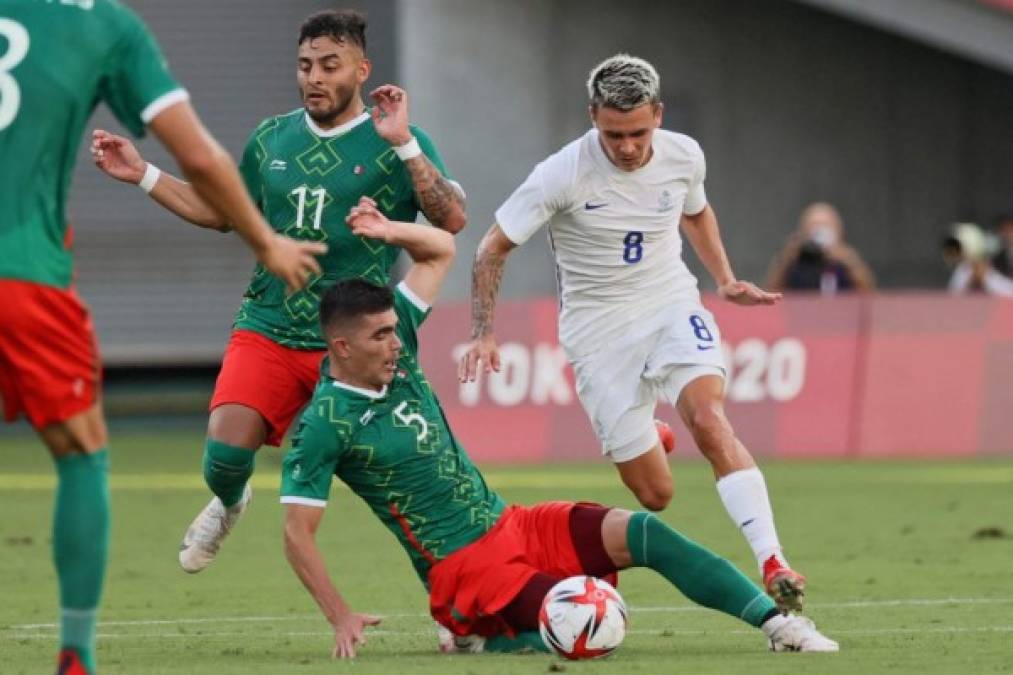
x=481, y=351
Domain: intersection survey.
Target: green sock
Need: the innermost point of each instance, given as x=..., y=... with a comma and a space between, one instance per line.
x=702, y=576
x=526, y=641
x=226, y=469
x=80, y=547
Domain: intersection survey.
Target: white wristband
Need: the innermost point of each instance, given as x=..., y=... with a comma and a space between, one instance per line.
x=409, y=150
x=151, y=176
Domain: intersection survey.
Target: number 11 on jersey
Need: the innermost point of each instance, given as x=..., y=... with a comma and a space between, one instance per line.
x=320, y=194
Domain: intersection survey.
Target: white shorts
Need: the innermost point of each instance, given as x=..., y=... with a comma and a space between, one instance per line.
x=620, y=385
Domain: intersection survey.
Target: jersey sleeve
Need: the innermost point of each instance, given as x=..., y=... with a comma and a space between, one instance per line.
x=542, y=195
x=411, y=311
x=430, y=151
x=696, y=197
x=137, y=84
x=317, y=447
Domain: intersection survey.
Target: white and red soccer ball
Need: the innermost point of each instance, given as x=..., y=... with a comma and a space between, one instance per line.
x=582, y=618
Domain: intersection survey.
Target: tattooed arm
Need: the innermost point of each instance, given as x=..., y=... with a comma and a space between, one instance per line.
x=442, y=200
x=486, y=274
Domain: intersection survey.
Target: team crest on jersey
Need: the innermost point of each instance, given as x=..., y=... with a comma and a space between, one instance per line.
x=665, y=202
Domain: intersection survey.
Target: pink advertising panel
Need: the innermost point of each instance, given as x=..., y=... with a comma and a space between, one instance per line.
x=884, y=376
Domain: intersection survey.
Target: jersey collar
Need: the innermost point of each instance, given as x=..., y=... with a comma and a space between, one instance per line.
x=368, y=393
x=338, y=130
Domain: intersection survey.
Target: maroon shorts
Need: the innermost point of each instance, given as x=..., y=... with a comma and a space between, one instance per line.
x=470, y=587
x=275, y=381
x=49, y=362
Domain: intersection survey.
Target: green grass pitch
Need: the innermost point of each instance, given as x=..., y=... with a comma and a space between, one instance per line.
x=897, y=573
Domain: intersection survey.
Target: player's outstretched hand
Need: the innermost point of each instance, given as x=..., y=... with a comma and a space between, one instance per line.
x=294, y=262
x=366, y=220
x=390, y=114
x=117, y=156
x=746, y=293
x=481, y=351
x=349, y=633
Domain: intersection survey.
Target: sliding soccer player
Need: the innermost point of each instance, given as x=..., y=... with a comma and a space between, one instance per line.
x=375, y=423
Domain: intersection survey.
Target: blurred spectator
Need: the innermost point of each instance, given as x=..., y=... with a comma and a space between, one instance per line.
x=966, y=250
x=816, y=257
x=1002, y=262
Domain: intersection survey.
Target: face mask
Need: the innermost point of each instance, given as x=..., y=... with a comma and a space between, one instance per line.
x=823, y=236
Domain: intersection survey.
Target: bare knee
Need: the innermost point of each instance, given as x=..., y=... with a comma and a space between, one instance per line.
x=237, y=425
x=83, y=433
x=656, y=494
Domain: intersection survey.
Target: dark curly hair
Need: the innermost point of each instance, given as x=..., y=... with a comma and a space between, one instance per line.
x=340, y=24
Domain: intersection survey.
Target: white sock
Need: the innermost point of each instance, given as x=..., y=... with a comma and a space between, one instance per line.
x=744, y=494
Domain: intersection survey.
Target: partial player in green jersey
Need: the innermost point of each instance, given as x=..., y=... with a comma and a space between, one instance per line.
x=305, y=169
x=58, y=60
x=375, y=423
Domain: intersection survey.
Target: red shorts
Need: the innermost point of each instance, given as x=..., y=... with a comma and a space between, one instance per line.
x=275, y=381
x=469, y=588
x=49, y=362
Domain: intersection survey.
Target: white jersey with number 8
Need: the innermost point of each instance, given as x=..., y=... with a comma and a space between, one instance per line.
x=614, y=234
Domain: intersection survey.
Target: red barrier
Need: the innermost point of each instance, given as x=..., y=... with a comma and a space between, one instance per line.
x=892, y=375
x=939, y=377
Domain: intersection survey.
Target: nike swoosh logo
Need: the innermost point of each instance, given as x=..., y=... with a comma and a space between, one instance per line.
x=591, y=207
x=747, y=522
x=704, y=348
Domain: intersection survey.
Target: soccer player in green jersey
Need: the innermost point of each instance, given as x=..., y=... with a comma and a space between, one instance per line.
x=305, y=170
x=375, y=422
x=57, y=62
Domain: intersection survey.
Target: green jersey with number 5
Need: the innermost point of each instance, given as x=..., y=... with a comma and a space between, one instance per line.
x=395, y=450
x=305, y=180
x=58, y=60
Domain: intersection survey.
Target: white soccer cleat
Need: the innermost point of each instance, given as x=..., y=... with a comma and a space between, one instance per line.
x=207, y=531
x=458, y=644
x=799, y=634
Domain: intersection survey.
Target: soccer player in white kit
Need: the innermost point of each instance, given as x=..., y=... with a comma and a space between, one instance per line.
x=631, y=321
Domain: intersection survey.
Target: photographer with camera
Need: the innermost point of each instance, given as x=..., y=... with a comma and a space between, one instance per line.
x=816, y=258
x=967, y=249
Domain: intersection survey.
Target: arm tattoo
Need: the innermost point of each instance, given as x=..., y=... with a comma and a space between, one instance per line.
x=486, y=274
x=437, y=196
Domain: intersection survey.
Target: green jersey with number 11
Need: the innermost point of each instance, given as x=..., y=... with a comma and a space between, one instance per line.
x=395, y=450
x=58, y=60
x=305, y=180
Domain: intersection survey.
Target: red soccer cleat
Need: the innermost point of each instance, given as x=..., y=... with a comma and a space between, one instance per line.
x=784, y=585
x=666, y=435
x=69, y=663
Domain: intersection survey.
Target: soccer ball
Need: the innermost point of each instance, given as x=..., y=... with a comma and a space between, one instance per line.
x=582, y=618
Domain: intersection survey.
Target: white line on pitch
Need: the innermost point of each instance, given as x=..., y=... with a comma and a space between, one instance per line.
x=900, y=602
x=937, y=630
